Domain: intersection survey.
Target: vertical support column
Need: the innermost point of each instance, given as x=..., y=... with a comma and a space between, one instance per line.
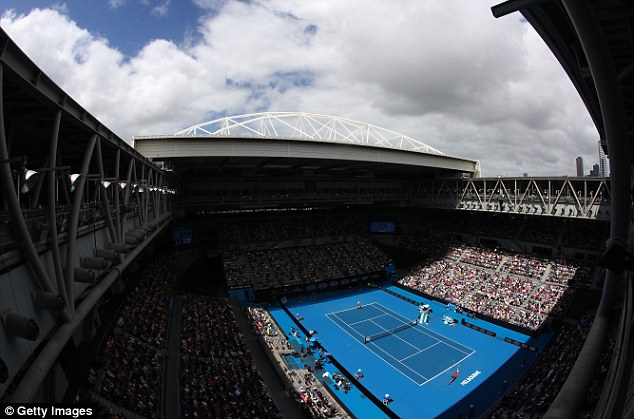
x=585, y=198
x=52, y=202
x=137, y=199
x=117, y=206
x=37, y=189
x=10, y=194
x=145, y=200
x=126, y=195
x=154, y=195
x=73, y=224
x=66, y=181
x=605, y=78
x=159, y=195
x=104, y=195
x=149, y=193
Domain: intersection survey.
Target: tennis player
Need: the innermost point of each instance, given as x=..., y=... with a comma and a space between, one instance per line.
x=454, y=375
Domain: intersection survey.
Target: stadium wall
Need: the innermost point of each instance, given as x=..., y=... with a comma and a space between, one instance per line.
x=271, y=294
x=17, y=285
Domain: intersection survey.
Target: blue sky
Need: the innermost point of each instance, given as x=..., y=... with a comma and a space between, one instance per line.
x=127, y=24
x=442, y=72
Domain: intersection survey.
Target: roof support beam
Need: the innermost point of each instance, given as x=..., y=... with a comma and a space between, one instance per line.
x=47, y=357
x=586, y=25
x=73, y=224
x=11, y=196
x=52, y=203
x=512, y=6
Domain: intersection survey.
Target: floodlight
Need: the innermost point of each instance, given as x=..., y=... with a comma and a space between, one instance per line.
x=20, y=326
x=74, y=181
x=48, y=300
x=29, y=178
x=117, y=247
x=84, y=275
x=107, y=254
x=91, y=262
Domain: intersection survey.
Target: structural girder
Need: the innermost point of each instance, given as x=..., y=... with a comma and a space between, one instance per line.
x=306, y=126
x=577, y=197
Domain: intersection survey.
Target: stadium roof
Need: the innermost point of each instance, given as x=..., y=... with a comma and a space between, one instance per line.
x=31, y=103
x=294, y=142
x=306, y=126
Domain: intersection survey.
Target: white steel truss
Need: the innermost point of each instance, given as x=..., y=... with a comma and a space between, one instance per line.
x=307, y=126
x=587, y=197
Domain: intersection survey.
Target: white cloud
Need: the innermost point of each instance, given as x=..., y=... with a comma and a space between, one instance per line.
x=162, y=9
x=446, y=73
x=115, y=4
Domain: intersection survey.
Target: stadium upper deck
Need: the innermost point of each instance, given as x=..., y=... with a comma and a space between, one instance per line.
x=35, y=112
x=593, y=42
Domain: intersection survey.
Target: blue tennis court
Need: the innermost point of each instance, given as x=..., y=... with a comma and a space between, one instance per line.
x=416, y=352
x=414, y=365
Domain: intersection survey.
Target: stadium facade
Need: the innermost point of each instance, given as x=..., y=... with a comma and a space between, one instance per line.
x=82, y=209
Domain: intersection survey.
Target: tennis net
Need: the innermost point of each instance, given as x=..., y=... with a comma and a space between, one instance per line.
x=389, y=331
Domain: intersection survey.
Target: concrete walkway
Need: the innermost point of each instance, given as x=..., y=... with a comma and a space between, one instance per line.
x=171, y=383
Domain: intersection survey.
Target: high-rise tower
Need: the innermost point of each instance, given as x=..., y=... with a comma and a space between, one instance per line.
x=603, y=162
x=579, y=166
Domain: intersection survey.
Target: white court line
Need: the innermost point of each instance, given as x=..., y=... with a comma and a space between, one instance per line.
x=389, y=354
x=365, y=320
x=398, y=337
x=352, y=308
x=431, y=333
x=395, y=359
x=463, y=349
x=397, y=316
x=329, y=315
x=421, y=351
x=451, y=366
x=334, y=313
x=342, y=311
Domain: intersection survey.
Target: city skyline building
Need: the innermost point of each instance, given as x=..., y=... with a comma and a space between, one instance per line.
x=603, y=162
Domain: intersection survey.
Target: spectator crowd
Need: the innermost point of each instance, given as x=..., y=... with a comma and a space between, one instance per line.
x=218, y=376
x=306, y=390
x=129, y=369
x=296, y=251
x=531, y=397
x=519, y=288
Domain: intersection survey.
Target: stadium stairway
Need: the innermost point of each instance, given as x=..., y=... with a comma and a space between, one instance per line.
x=288, y=407
x=546, y=274
x=500, y=265
x=171, y=397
